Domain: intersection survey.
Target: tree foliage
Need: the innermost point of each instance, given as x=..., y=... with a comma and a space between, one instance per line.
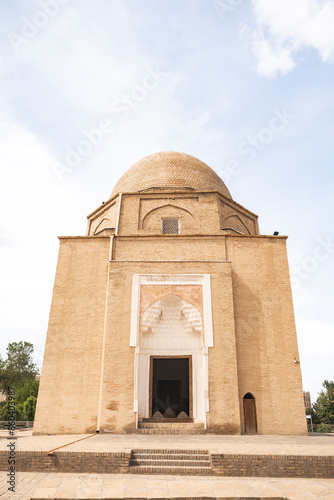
x=4, y=411
x=18, y=366
x=324, y=407
x=324, y=428
x=29, y=408
x=19, y=371
x=25, y=389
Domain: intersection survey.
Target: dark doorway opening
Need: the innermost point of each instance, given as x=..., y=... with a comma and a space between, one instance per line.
x=171, y=385
x=250, y=414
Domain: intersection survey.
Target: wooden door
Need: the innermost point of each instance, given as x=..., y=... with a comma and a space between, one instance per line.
x=250, y=416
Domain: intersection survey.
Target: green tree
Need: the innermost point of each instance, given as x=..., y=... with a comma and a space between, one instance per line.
x=25, y=389
x=19, y=371
x=324, y=428
x=29, y=408
x=4, y=411
x=324, y=407
x=18, y=366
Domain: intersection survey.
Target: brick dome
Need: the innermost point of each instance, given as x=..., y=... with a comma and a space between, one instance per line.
x=170, y=170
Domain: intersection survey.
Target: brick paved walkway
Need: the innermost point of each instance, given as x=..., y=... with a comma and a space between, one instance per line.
x=41, y=485
x=312, y=445
x=65, y=485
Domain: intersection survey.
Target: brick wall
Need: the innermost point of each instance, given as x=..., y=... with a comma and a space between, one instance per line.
x=273, y=466
x=69, y=388
x=39, y=461
x=265, y=333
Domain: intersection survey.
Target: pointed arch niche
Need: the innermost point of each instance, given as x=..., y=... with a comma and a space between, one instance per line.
x=171, y=317
x=250, y=419
x=152, y=220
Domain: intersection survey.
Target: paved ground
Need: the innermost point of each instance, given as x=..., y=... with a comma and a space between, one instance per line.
x=41, y=485
x=317, y=444
x=56, y=485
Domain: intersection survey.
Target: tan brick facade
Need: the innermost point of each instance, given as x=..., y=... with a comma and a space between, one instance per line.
x=89, y=379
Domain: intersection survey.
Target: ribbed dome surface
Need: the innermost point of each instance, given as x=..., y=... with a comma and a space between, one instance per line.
x=170, y=170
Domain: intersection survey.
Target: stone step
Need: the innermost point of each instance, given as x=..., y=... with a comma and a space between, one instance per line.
x=169, y=456
x=171, y=425
x=178, y=420
x=170, y=428
x=157, y=469
x=180, y=432
x=172, y=463
x=169, y=452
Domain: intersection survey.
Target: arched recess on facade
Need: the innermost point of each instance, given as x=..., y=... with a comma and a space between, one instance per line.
x=171, y=322
x=250, y=418
x=104, y=224
x=235, y=222
x=192, y=343
x=152, y=220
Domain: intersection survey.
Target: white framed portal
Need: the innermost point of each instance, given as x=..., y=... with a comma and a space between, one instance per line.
x=171, y=319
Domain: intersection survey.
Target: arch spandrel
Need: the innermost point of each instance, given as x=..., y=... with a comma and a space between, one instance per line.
x=191, y=293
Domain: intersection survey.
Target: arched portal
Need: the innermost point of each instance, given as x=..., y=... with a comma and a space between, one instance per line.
x=249, y=414
x=170, y=361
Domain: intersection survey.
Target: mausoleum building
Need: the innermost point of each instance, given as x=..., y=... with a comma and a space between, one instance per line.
x=173, y=308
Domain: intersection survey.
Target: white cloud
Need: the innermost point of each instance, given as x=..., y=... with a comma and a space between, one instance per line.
x=272, y=60
x=284, y=28
x=34, y=207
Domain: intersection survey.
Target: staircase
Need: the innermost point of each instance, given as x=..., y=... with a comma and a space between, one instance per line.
x=181, y=462
x=170, y=428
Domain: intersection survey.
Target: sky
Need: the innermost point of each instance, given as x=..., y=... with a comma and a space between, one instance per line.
x=87, y=88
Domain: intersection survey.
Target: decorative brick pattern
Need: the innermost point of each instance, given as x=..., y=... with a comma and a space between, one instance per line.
x=170, y=169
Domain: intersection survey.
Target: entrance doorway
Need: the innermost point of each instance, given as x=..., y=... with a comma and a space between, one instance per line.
x=171, y=386
x=250, y=414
